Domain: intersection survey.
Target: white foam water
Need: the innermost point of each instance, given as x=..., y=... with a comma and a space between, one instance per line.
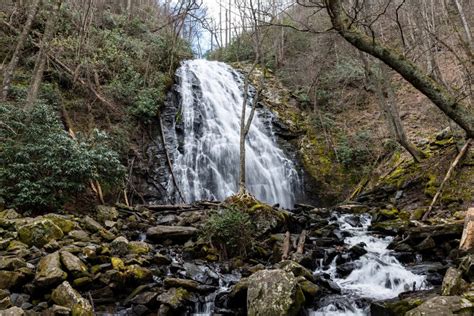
x=206, y=165
x=378, y=274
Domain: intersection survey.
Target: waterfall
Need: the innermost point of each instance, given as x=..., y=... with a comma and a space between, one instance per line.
x=206, y=158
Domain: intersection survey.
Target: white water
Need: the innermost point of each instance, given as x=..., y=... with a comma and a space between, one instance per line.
x=207, y=164
x=379, y=275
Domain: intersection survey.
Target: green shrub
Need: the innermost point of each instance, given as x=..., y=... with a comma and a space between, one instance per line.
x=230, y=231
x=41, y=166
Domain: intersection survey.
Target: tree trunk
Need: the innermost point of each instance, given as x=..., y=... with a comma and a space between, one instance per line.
x=465, y=24
x=8, y=74
x=388, y=101
x=42, y=56
x=440, y=96
x=467, y=239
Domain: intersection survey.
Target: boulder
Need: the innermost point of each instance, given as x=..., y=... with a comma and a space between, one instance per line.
x=453, y=284
x=175, y=233
x=296, y=269
x=174, y=298
x=274, y=292
x=73, y=264
x=119, y=246
x=9, y=263
x=138, y=247
x=39, y=232
x=49, y=272
x=400, y=305
x=444, y=306
x=62, y=222
x=106, y=213
x=11, y=279
x=66, y=296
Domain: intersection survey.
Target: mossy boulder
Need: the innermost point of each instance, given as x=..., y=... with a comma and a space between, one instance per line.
x=11, y=263
x=136, y=275
x=62, y=222
x=106, y=213
x=274, y=292
x=138, y=247
x=39, y=232
x=66, y=296
x=49, y=272
x=296, y=268
x=174, y=298
x=453, y=283
x=73, y=264
x=11, y=279
x=444, y=306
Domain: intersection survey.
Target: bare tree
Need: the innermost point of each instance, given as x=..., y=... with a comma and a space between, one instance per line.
x=42, y=56
x=453, y=107
x=8, y=74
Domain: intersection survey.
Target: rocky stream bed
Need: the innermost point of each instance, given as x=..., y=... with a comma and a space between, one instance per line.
x=121, y=260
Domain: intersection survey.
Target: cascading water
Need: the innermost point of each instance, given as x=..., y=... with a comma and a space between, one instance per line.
x=206, y=162
x=378, y=274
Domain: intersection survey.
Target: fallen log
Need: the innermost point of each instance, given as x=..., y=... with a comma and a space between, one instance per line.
x=286, y=246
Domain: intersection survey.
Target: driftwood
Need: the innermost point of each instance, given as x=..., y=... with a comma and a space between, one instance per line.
x=301, y=241
x=286, y=246
x=446, y=177
x=467, y=239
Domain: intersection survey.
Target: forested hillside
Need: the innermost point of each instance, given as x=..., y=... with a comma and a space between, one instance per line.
x=236, y=157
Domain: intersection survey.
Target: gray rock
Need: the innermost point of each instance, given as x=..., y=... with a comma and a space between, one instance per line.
x=106, y=213
x=13, y=311
x=73, y=264
x=453, y=284
x=49, y=272
x=66, y=296
x=444, y=306
x=175, y=233
x=119, y=246
x=274, y=292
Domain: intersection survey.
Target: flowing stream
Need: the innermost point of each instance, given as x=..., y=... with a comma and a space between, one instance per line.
x=377, y=275
x=206, y=160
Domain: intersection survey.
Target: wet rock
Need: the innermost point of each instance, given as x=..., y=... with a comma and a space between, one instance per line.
x=346, y=268
x=443, y=306
x=138, y=247
x=39, y=232
x=11, y=279
x=119, y=246
x=49, y=272
x=200, y=273
x=357, y=251
x=9, y=263
x=175, y=233
x=174, y=298
x=426, y=244
x=274, y=292
x=238, y=294
x=161, y=260
x=65, y=224
x=106, y=213
x=73, y=264
x=453, y=284
x=65, y=295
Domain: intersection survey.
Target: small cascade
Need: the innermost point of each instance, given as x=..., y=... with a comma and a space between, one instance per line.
x=206, y=151
x=377, y=275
